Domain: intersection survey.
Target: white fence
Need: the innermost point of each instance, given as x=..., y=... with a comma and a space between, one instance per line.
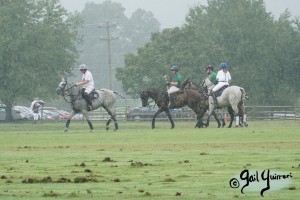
x=253, y=112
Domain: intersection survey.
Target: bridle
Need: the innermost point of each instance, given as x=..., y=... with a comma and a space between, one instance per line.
x=66, y=92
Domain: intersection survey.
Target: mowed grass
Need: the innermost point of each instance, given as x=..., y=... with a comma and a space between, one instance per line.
x=137, y=162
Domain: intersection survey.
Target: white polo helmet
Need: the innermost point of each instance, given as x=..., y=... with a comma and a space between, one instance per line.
x=82, y=66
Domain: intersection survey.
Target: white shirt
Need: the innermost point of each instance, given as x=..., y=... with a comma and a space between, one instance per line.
x=223, y=77
x=89, y=77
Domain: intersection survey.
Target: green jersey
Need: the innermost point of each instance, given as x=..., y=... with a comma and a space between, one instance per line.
x=213, y=78
x=176, y=78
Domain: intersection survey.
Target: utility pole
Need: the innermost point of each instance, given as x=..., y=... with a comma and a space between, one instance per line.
x=107, y=25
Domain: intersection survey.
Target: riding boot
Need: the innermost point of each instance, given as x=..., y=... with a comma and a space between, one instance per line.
x=214, y=97
x=169, y=98
x=89, y=102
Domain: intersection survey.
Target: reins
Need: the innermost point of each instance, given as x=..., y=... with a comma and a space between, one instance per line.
x=66, y=92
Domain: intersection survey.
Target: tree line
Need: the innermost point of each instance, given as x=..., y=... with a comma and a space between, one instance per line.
x=262, y=52
x=40, y=41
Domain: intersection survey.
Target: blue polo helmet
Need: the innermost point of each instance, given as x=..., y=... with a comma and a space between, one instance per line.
x=223, y=65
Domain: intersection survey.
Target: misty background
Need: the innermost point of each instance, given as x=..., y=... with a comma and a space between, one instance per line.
x=130, y=45
x=171, y=13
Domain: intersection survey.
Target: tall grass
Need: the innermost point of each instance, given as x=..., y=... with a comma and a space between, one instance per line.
x=137, y=162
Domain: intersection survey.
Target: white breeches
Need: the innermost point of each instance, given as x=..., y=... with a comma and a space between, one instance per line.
x=89, y=89
x=219, y=85
x=173, y=89
x=35, y=116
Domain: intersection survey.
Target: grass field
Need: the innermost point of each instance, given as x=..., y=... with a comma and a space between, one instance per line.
x=136, y=162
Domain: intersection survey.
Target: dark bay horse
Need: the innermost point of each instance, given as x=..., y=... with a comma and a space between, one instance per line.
x=106, y=99
x=187, y=97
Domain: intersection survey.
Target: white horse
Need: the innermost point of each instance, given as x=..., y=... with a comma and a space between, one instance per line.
x=232, y=97
x=105, y=98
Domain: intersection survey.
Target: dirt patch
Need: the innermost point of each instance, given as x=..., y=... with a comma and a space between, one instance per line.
x=82, y=179
x=108, y=159
x=3, y=177
x=139, y=164
x=47, y=179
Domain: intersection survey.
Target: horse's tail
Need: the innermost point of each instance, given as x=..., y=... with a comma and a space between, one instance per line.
x=244, y=94
x=119, y=94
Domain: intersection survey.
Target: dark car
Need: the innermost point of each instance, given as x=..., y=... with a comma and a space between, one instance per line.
x=138, y=113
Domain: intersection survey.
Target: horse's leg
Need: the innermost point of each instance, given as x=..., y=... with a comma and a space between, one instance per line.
x=217, y=119
x=69, y=121
x=211, y=109
x=85, y=114
x=231, y=113
x=154, y=116
x=222, y=116
x=170, y=118
x=112, y=117
x=199, y=123
x=242, y=114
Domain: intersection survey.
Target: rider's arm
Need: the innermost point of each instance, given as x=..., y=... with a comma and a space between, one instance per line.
x=81, y=83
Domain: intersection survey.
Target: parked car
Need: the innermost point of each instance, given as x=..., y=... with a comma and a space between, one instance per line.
x=137, y=113
x=24, y=112
x=16, y=114
x=56, y=113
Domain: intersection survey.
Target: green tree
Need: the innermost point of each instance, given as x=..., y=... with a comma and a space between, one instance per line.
x=262, y=52
x=37, y=44
x=126, y=35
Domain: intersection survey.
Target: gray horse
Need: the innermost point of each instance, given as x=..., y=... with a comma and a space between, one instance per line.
x=232, y=97
x=106, y=99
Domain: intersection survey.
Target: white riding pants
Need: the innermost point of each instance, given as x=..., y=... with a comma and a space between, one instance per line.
x=35, y=116
x=173, y=89
x=219, y=86
x=89, y=89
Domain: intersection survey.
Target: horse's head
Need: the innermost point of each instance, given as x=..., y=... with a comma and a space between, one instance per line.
x=144, y=95
x=207, y=83
x=186, y=84
x=61, y=87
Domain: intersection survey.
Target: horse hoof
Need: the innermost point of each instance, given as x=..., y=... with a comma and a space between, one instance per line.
x=107, y=128
x=66, y=130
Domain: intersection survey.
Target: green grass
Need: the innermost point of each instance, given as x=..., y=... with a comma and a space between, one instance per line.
x=136, y=162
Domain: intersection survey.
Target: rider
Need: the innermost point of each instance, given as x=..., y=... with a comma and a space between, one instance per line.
x=223, y=77
x=35, y=106
x=175, y=80
x=212, y=75
x=88, y=85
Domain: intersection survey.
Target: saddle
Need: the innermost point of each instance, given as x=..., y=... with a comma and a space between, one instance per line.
x=220, y=91
x=93, y=95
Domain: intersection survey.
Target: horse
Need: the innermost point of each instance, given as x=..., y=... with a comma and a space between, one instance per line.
x=232, y=97
x=102, y=98
x=187, y=84
x=190, y=98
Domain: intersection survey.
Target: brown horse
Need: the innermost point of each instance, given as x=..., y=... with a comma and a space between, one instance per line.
x=191, y=98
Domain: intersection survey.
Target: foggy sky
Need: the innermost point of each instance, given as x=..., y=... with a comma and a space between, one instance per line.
x=171, y=13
